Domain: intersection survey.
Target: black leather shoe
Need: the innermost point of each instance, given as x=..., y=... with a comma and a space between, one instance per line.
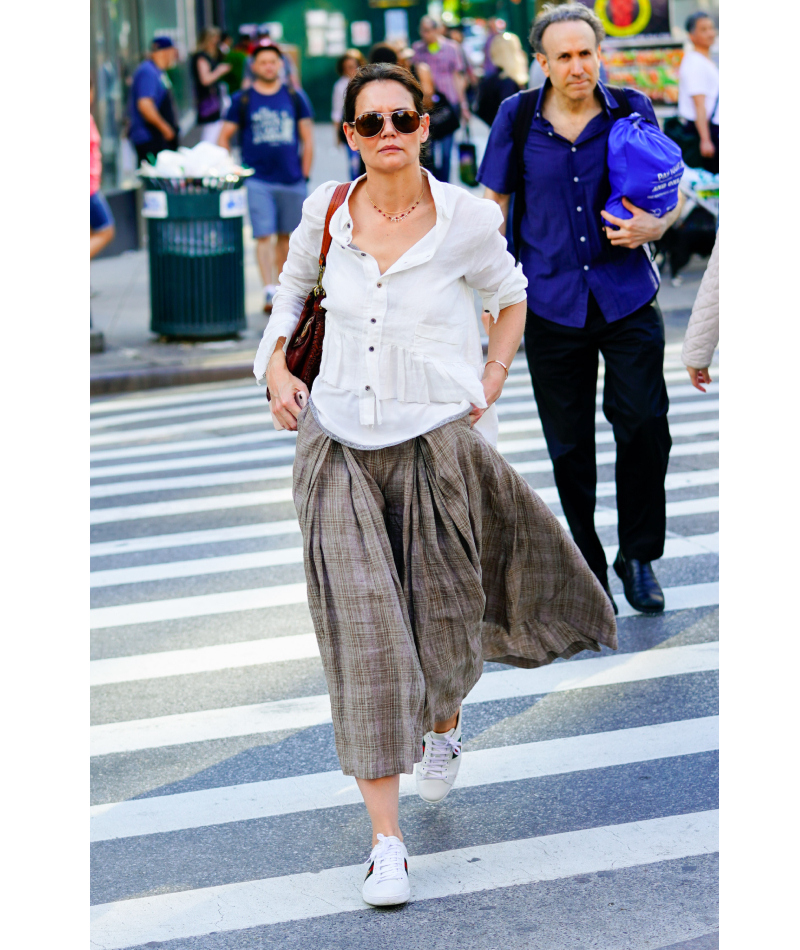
x=642, y=590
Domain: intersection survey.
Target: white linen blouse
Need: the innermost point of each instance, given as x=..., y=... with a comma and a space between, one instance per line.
x=402, y=350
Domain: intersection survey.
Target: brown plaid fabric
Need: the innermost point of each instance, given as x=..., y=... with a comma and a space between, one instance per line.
x=422, y=560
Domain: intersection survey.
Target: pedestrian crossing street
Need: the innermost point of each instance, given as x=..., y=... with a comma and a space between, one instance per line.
x=219, y=816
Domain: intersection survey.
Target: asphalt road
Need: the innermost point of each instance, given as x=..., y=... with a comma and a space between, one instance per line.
x=586, y=817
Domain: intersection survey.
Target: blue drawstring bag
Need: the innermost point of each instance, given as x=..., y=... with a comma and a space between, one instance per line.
x=644, y=166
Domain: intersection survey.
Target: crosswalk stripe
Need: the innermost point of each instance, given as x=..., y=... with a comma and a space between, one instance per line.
x=156, y=449
x=680, y=449
x=230, y=459
x=283, y=796
x=195, y=461
x=158, y=542
x=184, y=482
x=263, y=434
x=232, y=907
x=215, y=502
x=517, y=385
x=245, y=400
x=185, y=506
x=253, y=560
x=532, y=422
x=126, y=669
x=235, y=601
x=258, y=417
x=304, y=712
x=511, y=446
x=244, y=532
x=261, y=416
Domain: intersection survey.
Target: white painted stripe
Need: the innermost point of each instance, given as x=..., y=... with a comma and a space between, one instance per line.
x=304, y=712
x=188, y=482
x=255, y=400
x=609, y=458
x=232, y=907
x=200, y=567
x=261, y=416
x=157, y=449
x=244, y=532
x=217, y=806
x=204, y=605
x=182, y=506
x=127, y=669
x=258, y=417
x=183, y=538
x=533, y=423
x=197, y=461
x=185, y=506
x=252, y=560
x=508, y=446
x=195, y=445
x=182, y=482
x=179, y=396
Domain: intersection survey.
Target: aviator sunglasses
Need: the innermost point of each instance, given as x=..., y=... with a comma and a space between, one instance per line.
x=370, y=124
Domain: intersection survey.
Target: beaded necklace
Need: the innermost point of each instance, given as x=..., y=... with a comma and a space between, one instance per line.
x=398, y=216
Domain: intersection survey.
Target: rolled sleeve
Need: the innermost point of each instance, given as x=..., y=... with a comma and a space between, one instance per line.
x=298, y=277
x=492, y=272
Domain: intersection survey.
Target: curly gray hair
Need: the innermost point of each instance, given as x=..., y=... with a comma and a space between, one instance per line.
x=562, y=13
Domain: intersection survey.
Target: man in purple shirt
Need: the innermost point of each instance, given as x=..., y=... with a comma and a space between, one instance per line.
x=591, y=291
x=447, y=64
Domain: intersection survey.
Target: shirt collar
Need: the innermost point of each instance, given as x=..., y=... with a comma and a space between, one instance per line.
x=605, y=95
x=342, y=222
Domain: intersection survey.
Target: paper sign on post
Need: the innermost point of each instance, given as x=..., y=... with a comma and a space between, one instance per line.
x=154, y=204
x=231, y=203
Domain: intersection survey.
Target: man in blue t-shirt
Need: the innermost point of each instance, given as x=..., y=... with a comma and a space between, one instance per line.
x=154, y=125
x=277, y=136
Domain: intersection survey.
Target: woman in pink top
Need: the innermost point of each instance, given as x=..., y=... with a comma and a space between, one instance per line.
x=101, y=220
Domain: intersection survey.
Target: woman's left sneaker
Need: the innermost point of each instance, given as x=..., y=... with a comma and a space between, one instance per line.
x=386, y=880
x=441, y=758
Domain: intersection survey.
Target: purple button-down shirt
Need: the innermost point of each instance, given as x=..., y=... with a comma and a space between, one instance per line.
x=564, y=251
x=444, y=63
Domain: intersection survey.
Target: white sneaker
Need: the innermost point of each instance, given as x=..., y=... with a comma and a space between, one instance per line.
x=387, y=873
x=441, y=758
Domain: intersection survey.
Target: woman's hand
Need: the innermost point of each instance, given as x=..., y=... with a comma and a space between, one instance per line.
x=284, y=389
x=698, y=377
x=494, y=377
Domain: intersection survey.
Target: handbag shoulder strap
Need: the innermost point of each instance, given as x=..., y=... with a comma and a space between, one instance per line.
x=337, y=199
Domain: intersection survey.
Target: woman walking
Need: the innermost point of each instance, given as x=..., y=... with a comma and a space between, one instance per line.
x=425, y=552
x=207, y=70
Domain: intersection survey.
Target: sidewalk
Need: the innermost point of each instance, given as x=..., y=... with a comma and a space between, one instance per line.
x=136, y=359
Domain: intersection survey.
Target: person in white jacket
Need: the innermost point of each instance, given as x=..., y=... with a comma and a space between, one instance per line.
x=702, y=334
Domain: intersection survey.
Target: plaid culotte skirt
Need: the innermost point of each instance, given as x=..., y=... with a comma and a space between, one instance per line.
x=424, y=559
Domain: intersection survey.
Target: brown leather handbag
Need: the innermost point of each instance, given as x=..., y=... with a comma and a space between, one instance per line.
x=304, y=352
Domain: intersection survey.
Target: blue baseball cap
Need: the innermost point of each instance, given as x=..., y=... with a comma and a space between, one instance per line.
x=163, y=42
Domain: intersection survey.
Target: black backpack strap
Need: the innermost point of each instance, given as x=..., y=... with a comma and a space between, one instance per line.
x=522, y=126
x=244, y=112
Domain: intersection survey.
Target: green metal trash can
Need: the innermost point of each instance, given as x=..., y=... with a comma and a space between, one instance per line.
x=196, y=256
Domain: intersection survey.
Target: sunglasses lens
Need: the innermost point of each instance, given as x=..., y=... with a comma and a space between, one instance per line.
x=369, y=124
x=405, y=121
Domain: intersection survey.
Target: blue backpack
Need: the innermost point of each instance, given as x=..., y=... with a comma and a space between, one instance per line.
x=644, y=165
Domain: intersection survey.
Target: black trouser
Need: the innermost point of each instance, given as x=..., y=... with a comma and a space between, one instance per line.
x=710, y=164
x=153, y=147
x=563, y=365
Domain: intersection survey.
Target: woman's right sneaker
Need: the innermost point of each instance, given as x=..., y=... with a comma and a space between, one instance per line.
x=387, y=873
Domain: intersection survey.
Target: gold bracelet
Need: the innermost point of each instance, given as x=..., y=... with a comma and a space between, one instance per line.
x=501, y=363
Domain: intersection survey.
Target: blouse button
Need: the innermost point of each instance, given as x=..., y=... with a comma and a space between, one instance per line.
x=363, y=254
x=574, y=149
x=373, y=320
x=380, y=285
x=367, y=388
x=372, y=349
x=580, y=208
